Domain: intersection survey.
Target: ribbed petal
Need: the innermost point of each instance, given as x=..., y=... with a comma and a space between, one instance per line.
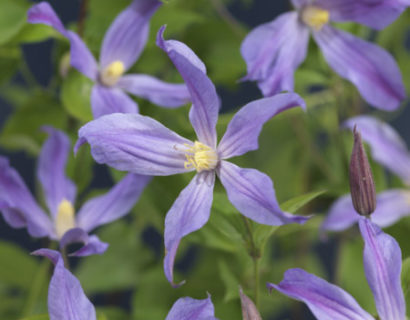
x=205, y=102
x=106, y=100
x=273, y=51
x=325, y=300
x=243, y=131
x=66, y=298
x=370, y=68
x=114, y=204
x=131, y=142
x=91, y=244
x=189, y=213
x=164, y=94
x=51, y=170
x=382, y=265
x=127, y=35
x=252, y=193
x=18, y=205
x=192, y=309
x=387, y=147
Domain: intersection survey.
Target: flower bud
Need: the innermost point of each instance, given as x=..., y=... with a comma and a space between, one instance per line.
x=249, y=311
x=362, y=187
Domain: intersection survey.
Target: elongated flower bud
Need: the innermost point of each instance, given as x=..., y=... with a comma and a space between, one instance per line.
x=361, y=179
x=249, y=311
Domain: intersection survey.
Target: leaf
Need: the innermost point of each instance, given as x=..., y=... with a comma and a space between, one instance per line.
x=34, y=33
x=12, y=18
x=9, y=62
x=39, y=317
x=294, y=204
x=229, y=280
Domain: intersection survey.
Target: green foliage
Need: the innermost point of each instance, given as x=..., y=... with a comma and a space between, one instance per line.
x=12, y=18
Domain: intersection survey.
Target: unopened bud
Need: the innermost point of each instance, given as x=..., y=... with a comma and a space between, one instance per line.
x=361, y=179
x=249, y=311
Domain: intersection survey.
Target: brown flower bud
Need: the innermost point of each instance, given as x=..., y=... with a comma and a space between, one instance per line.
x=249, y=311
x=361, y=179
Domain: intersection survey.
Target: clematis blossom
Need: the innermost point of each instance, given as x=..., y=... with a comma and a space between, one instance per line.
x=20, y=209
x=192, y=309
x=274, y=50
x=121, y=47
x=389, y=149
x=140, y=144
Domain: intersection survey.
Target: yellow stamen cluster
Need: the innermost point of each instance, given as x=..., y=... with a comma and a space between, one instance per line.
x=315, y=17
x=65, y=218
x=110, y=74
x=201, y=157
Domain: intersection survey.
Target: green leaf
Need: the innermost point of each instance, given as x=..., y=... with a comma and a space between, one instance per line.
x=9, y=62
x=405, y=281
x=12, y=18
x=230, y=281
x=34, y=33
x=39, y=317
x=294, y=204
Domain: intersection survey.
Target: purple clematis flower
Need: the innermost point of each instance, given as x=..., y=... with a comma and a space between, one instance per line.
x=122, y=45
x=66, y=298
x=274, y=50
x=20, y=209
x=192, y=309
x=140, y=144
x=390, y=150
x=382, y=264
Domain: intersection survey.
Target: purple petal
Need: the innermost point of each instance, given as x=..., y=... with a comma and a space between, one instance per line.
x=114, y=204
x=106, y=100
x=370, y=68
x=382, y=265
x=158, y=92
x=43, y=13
x=192, y=309
x=51, y=170
x=341, y=215
x=18, y=205
x=205, y=102
x=127, y=35
x=244, y=129
x=387, y=147
x=131, y=142
x=325, y=300
x=91, y=244
x=273, y=51
x=252, y=193
x=66, y=298
x=189, y=213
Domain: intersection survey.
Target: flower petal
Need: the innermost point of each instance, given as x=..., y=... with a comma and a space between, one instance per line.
x=370, y=68
x=43, y=13
x=91, y=244
x=205, y=101
x=66, y=298
x=106, y=100
x=189, y=213
x=127, y=35
x=243, y=131
x=18, y=205
x=114, y=204
x=192, y=309
x=387, y=147
x=325, y=300
x=131, y=142
x=158, y=92
x=341, y=215
x=252, y=193
x=273, y=51
x=382, y=265
x=51, y=170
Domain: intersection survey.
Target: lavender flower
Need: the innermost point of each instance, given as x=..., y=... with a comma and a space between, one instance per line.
x=20, y=210
x=382, y=265
x=192, y=309
x=274, y=50
x=122, y=45
x=140, y=144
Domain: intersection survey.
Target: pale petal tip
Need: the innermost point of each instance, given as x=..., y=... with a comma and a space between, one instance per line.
x=78, y=144
x=160, y=37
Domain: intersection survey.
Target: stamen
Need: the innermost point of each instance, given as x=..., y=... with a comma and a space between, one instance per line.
x=201, y=157
x=315, y=17
x=110, y=74
x=65, y=218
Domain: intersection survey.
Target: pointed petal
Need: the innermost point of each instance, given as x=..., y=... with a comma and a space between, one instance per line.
x=114, y=204
x=131, y=142
x=325, y=300
x=127, y=35
x=189, y=213
x=91, y=244
x=18, y=206
x=273, y=51
x=164, y=94
x=370, y=68
x=66, y=298
x=382, y=265
x=43, y=13
x=243, y=131
x=51, y=170
x=387, y=147
x=252, y=193
x=106, y=100
x=205, y=102
x=192, y=309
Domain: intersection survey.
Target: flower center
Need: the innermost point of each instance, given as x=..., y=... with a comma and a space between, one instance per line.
x=65, y=218
x=201, y=157
x=315, y=17
x=110, y=74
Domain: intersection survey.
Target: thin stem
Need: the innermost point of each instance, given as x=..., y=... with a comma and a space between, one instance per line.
x=256, y=279
x=228, y=18
x=81, y=17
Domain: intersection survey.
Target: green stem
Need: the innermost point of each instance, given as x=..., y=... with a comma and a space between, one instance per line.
x=256, y=279
x=228, y=18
